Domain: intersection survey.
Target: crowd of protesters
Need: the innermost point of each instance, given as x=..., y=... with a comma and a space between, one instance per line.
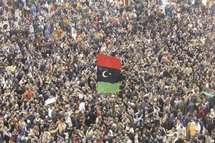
x=48, y=71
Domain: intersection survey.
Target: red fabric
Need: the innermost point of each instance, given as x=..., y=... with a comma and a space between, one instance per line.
x=108, y=61
x=201, y=112
x=53, y=8
x=28, y=94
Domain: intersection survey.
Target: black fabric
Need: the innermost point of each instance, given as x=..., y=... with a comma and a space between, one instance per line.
x=108, y=75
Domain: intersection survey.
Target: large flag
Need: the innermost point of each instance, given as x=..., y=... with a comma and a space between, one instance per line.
x=108, y=74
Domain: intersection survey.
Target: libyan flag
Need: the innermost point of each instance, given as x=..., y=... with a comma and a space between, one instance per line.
x=108, y=74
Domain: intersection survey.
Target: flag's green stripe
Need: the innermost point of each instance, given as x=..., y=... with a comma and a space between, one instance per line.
x=208, y=94
x=106, y=87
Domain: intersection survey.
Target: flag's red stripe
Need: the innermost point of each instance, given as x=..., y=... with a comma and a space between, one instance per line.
x=108, y=61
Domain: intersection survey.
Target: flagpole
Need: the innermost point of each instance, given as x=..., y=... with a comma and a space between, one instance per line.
x=113, y=104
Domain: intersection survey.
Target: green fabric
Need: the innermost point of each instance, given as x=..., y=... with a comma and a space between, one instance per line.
x=208, y=94
x=106, y=87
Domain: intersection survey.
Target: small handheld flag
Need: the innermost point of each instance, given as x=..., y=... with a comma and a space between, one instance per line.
x=108, y=74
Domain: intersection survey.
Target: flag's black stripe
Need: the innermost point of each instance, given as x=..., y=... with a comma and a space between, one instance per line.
x=108, y=75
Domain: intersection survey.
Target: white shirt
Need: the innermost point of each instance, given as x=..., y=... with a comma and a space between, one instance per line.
x=82, y=106
x=50, y=112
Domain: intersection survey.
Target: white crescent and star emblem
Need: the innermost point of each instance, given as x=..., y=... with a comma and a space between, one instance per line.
x=104, y=74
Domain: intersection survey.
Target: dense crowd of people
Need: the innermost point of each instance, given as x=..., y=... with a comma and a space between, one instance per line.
x=48, y=71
